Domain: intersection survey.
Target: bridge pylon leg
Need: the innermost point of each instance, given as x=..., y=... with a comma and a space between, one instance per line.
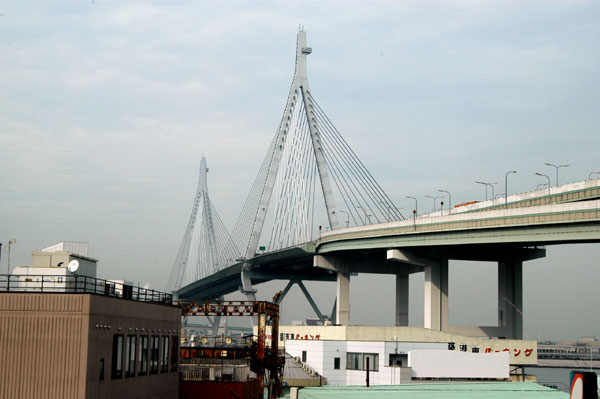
x=342, y=314
x=402, y=299
x=510, y=298
x=436, y=295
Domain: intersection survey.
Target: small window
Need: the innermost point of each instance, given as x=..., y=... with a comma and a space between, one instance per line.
x=398, y=359
x=174, y=352
x=354, y=361
x=117, y=357
x=164, y=358
x=130, y=356
x=154, y=354
x=101, y=369
x=373, y=361
x=358, y=361
x=336, y=363
x=303, y=356
x=143, y=356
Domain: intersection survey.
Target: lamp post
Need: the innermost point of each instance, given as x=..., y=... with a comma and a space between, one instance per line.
x=10, y=242
x=541, y=185
x=593, y=173
x=506, y=186
x=433, y=198
x=485, y=184
x=547, y=177
x=557, y=168
x=416, y=203
x=348, y=218
x=449, y=200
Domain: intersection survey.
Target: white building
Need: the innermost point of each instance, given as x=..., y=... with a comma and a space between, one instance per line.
x=398, y=354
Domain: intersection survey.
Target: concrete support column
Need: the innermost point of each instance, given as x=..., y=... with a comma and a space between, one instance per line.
x=510, y=298
x=402, y=299
x=343, y=299
x=436, y=295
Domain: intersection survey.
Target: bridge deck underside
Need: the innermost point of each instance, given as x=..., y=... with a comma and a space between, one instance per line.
x=484, y=240
x=288, y=264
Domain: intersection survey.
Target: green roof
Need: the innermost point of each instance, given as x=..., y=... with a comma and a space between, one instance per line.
x=486, y=390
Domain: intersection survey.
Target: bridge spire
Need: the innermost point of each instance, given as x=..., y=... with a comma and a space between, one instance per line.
x=206, y=246
x=307, y=159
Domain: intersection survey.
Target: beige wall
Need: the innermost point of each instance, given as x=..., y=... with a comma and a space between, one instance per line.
x=50, y=346
x=43, y=345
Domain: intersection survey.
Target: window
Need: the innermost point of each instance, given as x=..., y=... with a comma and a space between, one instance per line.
x=143, y=356
x=373, y=361
x=130, y=356
x=336, y=363
x=154, y=355
x=304, y=356
x=117, y=357
x=164, y=358
x=358, y=361
x=101, y=369
x=354, y=361
x=174, y=352
x=398, y=359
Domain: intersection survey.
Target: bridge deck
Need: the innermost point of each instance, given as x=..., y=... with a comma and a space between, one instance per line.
x=573, y=222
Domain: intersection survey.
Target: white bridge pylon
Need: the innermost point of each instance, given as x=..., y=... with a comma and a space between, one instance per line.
x=207, y=246
x=308, y=164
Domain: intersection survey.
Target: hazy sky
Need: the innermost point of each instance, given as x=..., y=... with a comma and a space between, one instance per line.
x=107, y=106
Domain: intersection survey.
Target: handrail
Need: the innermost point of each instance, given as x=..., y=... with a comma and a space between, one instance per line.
x=79, y=284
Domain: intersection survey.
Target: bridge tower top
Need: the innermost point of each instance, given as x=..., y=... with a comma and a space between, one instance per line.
x=302, y=51
x=308, y=163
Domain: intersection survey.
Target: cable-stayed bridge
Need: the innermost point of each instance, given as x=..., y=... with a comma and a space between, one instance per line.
x=315, y=212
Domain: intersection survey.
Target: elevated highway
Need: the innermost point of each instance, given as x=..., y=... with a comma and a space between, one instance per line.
x=509, y=235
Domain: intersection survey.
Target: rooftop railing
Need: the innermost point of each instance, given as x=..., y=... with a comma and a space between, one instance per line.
x=78, y=284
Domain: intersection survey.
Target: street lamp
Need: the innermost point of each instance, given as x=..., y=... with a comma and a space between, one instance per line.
x=433, y=198
x=416, y=210
x=449, y=200
x=593, y=173
x=542, y=185
x=348, y=218
x=547, y=177
x=506, y=186
x=486, y=186
x=557, y=168
x=10, y=242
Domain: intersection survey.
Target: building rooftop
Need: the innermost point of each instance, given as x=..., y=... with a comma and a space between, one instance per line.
x=488, y=390
x=78, y=284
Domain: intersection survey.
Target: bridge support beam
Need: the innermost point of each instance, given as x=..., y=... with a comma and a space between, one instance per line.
x=342, y=314
x=436, y=295
x=510, y=298
x=402, y=299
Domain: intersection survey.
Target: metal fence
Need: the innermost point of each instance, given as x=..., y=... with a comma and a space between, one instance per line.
x=75, y=284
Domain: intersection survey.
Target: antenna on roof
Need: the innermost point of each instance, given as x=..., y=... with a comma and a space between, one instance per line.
x=73, y=266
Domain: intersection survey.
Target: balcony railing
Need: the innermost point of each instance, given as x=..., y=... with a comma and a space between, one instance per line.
x=75, y=284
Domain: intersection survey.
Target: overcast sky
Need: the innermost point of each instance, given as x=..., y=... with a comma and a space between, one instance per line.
x=107, y=106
